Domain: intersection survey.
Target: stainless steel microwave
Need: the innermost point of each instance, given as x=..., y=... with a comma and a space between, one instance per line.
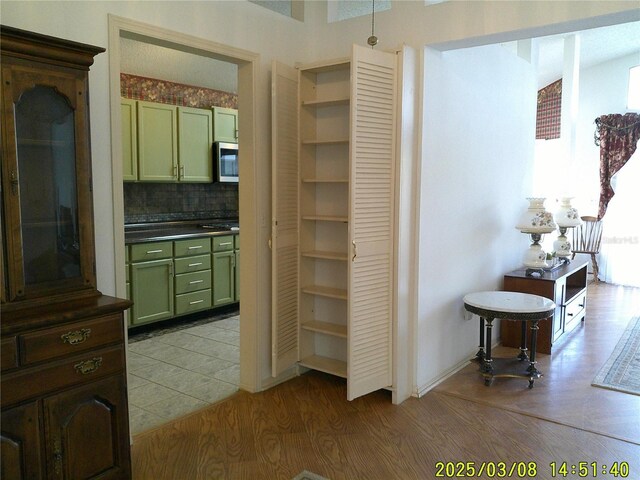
x=226, y=161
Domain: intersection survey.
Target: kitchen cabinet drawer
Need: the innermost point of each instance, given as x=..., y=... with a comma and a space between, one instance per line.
x=70, y=339
x=193, y=264
x=142, y=252
x=193, y=302
x=32, y=382
x=9, y=353
x=191, y=282
x=223, y=243
x=196, y=246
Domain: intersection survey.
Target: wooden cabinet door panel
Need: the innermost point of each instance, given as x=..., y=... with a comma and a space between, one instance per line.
x=195, y=139
x=128, y=117
x=223, y=278
x=225, y=125
x=157, y=142
x=20, y=443
x=152, y=290
x=83, y=426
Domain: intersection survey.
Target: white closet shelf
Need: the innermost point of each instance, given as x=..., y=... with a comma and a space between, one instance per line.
x=329, y=102
x=326, y=255
x=326, y=328
x=326, y=218
x=325, y=364
x=325, y=141
x=325, y=180
x=330, y=292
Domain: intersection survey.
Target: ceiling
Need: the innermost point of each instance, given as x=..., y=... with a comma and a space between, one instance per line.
x=597, y=45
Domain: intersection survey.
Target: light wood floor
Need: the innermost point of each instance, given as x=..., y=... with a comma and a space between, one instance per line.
x=307, y=423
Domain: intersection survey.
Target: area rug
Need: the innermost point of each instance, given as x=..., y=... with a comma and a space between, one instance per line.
x=622, y=370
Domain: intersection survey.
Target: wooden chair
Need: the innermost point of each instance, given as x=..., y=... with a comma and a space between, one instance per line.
x=586, y=239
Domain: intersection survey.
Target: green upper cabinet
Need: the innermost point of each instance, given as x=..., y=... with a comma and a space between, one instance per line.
x=195, y=137
x=129, y=122
x=157, y=142
x=225, y=125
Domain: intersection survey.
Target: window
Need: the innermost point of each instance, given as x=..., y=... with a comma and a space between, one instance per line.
x=345, y=9
x=633, y=94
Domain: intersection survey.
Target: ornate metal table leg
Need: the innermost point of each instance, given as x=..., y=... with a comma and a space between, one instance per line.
x=523, y=342
x=487, y=364
x=533, y=371
x=480, y=355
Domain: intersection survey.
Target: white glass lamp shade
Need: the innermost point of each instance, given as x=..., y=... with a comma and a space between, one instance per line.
x=567, y=216
x=536, y=219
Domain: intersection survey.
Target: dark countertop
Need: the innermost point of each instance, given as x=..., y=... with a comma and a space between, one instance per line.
x=155, y=232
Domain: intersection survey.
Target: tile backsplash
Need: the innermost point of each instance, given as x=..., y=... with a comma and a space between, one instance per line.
x=164, y=202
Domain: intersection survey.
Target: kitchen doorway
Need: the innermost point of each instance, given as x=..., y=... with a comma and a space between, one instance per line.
x=246, y=72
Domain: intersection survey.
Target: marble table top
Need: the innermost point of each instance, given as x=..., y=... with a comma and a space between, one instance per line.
x=509, y=302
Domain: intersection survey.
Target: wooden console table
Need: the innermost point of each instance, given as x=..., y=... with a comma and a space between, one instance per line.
x=566, y=286
x=520, y=307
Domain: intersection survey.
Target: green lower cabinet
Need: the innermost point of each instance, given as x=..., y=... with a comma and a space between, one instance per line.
x=237, y=275
x=193, y=302
x=223, y=278
x=152, y=291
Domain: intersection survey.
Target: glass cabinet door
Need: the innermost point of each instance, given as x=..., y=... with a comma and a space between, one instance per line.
x=46, y=160
x=49, y=234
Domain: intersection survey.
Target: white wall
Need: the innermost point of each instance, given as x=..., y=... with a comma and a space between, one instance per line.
x=479, y=130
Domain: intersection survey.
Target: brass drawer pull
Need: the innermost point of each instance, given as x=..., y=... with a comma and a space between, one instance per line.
x=195, y=302
x=76, y=337
x=195, y=281
x=195, y=264
x=88, y=366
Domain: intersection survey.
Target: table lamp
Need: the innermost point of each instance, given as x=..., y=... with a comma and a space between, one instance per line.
x=566, y=217
x=536, y=221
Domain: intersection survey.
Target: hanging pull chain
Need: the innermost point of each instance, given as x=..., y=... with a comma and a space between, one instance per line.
x=373, y=40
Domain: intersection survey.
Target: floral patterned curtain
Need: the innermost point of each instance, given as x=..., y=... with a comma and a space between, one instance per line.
x=617, y=136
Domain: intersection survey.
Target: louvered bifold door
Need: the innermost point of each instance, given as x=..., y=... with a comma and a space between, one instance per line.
x=284, y=224
x=371, y=220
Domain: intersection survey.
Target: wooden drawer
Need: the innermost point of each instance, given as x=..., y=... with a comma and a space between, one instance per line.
x=192, y=264
x=31, y=382
x=142, y=252
x=191, y=282
x=223, y=243
x=70, y=339
x=193, y=302
x=575, y=309
x=9, y=353
x=194, y=246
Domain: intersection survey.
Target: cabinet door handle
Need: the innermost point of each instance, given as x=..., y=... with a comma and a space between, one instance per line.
x=195, y=247
x=76, y=337
x=195, y=264
x=355, y=251
x=149, y=252
x=88, y=366
x=195, y=302
x=181, y=171
x=224, y=244
x=195, y=282
x=175, y=171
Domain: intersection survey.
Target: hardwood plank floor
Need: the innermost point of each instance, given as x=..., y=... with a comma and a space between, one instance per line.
x=307, y=423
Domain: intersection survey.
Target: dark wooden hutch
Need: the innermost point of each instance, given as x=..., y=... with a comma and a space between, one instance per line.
x=64, y=393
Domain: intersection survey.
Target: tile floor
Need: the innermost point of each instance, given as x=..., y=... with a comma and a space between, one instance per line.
x=176, y=371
